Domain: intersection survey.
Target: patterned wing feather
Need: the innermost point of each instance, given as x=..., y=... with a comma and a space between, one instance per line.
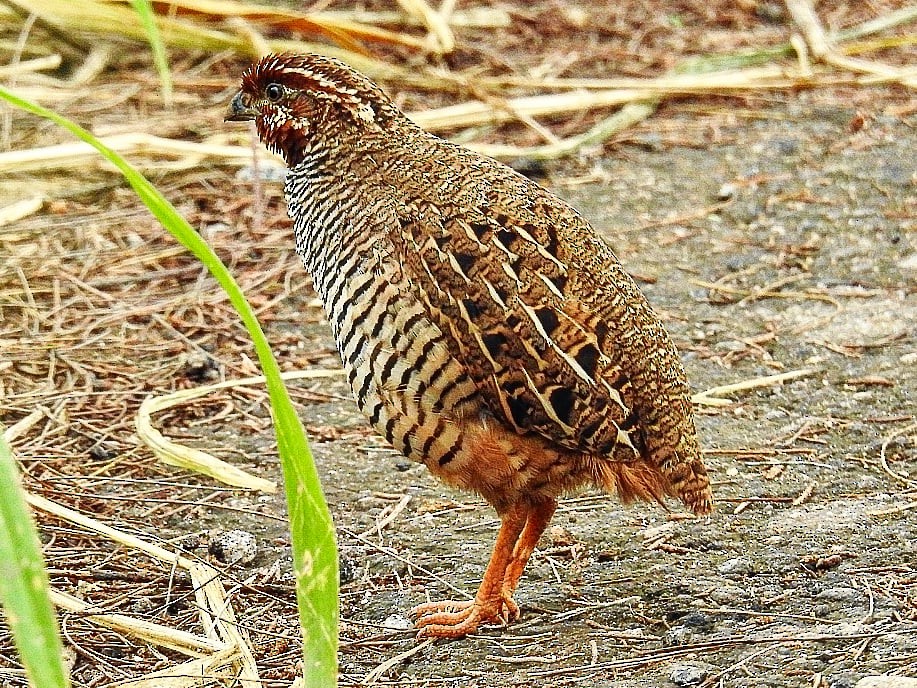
x=537, y=308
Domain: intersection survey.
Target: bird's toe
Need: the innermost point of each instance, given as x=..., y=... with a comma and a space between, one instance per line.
x=454, y=619
x=510, y=608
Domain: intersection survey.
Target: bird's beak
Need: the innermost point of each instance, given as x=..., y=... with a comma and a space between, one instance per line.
x=239, y=110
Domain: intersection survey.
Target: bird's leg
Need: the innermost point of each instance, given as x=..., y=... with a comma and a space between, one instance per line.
x=454, y=619
x=538, y=518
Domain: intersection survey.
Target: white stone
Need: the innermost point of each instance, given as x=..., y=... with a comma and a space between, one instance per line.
x=887, y=682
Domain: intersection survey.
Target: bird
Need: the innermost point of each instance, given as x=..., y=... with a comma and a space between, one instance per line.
x=486, y=329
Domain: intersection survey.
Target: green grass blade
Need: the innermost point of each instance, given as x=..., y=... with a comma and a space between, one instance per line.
x=144, y=10
x=315, y=557
x=24, y=583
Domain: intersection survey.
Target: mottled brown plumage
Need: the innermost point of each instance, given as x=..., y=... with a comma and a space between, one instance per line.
x=486, y=329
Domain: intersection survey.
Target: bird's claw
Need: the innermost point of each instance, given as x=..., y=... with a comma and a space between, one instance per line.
x=512, y=612
x=455, y=619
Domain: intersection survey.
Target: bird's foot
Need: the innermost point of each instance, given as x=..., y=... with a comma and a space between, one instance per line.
x=511, y=608
x=456, y=619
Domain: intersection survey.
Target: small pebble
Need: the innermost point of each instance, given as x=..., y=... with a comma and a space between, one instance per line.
x=738, y=566
x=399, y=622
x=559, y=536
x=100, y=452
x=887, y=682
x=687, y=675
x=840, y=594
x=697, y=621
x=775, y=414
x=678, y=635
x=199, y=367
x=786, y=146
x=233, y=547
x=347, y=569
x=142, y=605
x=214, y=228
x=189, y=543
x=893, y=644
x=726, y=191
x=909, y=358
x=728, y=594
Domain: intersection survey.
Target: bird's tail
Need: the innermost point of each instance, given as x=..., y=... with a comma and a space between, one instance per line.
x=642, y=480
x=671, y=468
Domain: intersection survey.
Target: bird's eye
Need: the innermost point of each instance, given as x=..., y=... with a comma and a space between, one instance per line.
x=274, y=92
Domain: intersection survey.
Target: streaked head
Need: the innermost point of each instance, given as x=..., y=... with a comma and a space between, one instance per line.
x=297, y=101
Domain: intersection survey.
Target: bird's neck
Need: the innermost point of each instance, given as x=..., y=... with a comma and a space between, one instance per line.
x=341, y=196
x=328, y=209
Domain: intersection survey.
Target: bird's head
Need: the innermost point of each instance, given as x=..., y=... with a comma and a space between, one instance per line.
x=301, y=103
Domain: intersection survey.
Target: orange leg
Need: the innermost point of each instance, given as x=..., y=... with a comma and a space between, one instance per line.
x=538, y=518
x=452, y=619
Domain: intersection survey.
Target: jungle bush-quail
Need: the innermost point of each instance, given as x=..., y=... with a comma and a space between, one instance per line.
x=486, y=329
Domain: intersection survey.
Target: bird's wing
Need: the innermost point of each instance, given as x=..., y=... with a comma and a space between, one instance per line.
x=537, y=309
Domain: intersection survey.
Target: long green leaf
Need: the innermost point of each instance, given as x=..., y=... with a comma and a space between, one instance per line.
x=315, y=558
x=24, y=583
x=144, y=10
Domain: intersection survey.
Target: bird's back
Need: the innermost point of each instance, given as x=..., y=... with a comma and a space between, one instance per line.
x=440, y=265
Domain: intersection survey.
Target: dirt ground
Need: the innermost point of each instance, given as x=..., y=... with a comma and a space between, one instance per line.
x=774, y=233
